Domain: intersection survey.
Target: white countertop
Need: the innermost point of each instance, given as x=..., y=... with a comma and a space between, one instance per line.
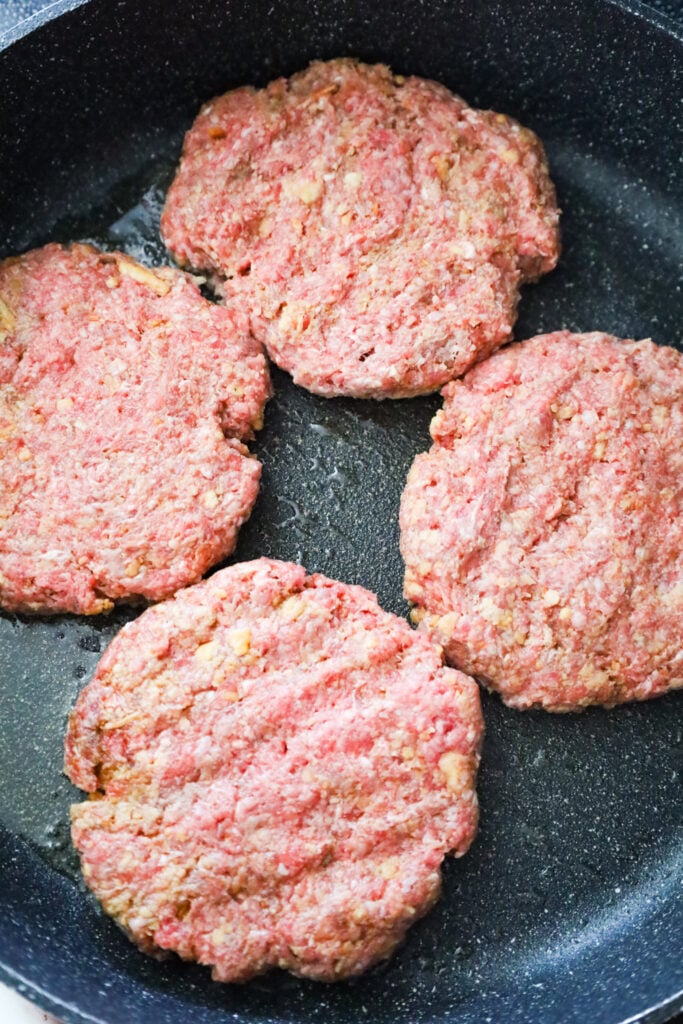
x=15, y=1010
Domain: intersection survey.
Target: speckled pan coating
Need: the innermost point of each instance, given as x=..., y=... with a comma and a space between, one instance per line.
x=543, y=531
x=376, y=227
x=279, y=768
x=124, y=400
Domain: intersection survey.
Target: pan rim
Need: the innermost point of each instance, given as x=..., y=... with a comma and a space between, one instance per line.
x=28, y=25
x=55, y=10
x=67, y=1012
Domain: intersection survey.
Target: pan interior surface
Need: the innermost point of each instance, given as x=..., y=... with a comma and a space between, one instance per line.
x=569, y=907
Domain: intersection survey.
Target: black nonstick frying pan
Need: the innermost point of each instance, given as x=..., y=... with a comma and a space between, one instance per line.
x=569, y=907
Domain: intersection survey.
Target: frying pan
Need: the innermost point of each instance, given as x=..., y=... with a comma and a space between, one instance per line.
x=569, y=907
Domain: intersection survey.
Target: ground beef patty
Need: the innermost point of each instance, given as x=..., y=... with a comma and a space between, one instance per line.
x=543, y=532
x=279, y=768
x=376, y=227
x=124, y=396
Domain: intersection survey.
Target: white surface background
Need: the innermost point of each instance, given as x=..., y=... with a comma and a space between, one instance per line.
x=15, y=1010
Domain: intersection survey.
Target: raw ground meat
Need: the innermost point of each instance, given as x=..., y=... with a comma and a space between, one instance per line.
x=543, y=532
x=124, y=399
x=277, y=769
x=376, y=227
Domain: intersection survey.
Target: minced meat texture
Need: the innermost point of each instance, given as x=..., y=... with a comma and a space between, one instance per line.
x=377, y=228
x=543, y=532
x=277, y=768
x=124, y=400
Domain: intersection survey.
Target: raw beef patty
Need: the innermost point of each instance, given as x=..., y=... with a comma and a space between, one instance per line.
x=278, y=768
x=376, y=227
x=124, y=399
x=543, y=532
